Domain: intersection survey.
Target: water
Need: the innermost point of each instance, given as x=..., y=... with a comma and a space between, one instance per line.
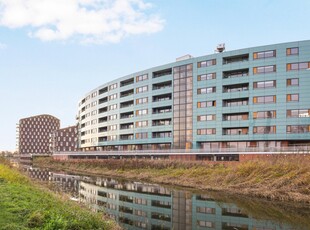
x=137, y=205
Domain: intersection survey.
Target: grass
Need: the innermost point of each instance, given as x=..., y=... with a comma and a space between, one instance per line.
x=25, y=205
x=278, y=178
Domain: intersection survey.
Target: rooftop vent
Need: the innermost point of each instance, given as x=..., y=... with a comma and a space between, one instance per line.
x=220, y=48
x=185, y=57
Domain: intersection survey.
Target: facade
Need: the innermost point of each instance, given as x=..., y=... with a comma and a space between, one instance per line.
x=64, y=140
x=249, y=98
x=34, y=133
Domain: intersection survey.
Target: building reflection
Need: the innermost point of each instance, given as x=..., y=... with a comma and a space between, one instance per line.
x=136, y=205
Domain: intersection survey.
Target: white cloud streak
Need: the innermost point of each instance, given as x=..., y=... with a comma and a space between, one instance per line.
x=90, y=21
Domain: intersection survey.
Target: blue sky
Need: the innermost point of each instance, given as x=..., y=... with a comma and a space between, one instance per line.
x=52, y=52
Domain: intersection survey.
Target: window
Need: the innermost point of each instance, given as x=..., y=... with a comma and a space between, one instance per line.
x=264, y=114
x=206, y=63
x=298, y=113
x=297, y=128
x=141, y=135
x=292, y=82
x=112, y=127
x=113, y=96
x=292, y=51
x=297, y=66
x=161, y=134
x=141, y=124
x=142, y=77
x=210, y=117
x=235, y=131
x=112, y=107
x=141, y=100
x=206, y=90
x=206, y=210
x=235, y=116
x=264, y=69
x=264, y=99
x=142, y=89
x=264, y=129
x=264, y=84
x=141, y=112
x=113, y=86
x=235, y=102
x=112, y=138
x=204, y=104
x=264, y=54
x=112, y=117
x=292, y=97
x=209, y=131
x=208, y=76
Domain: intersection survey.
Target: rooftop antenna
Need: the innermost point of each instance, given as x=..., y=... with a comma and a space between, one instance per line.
x=220, y=48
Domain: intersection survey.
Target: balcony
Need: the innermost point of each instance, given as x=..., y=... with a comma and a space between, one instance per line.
x=127, y=93
x=162, y=73
x=103, y=90
x=127, y=82
x=126, y=104
x=127, y=115
x=235, y=59
x=235, y=88
x=162, y=85
x=235, y=73
x=126, y=126
x=164, y=109
x=235, y=102
x=163, y=97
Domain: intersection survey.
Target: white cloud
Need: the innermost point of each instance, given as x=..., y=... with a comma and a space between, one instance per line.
x=91, y=21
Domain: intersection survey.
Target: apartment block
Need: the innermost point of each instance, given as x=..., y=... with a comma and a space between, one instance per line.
x=253, y=97
x=34, y=133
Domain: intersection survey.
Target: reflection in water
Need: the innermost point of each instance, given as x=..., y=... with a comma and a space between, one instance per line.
x=138, y=205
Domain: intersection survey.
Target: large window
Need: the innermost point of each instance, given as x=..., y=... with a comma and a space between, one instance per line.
x=205, y=104
x=235, y=102
x=141, y=112
x=113, y=96
x=206, y=90
x=264, y=69
x=209, y=117
x=264, y=99
x=113, y=86
x=292, y=97
x=235, y=116
x=236, y=131
x=209, y=131
x=142, y=89
x=264, y=54
x=264, y=114
x=297, y=66
x=141, y=124
x=206, y=63
x=208, y=76
x=292, y=82
x=292, y=51
x=141, y=100
x=298, y=113
x=297, y=128
x=141, y=135
x=142, y=77
x=264, y=84
x=264, y=129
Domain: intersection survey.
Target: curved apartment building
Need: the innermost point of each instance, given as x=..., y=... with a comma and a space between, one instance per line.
x=253, y=97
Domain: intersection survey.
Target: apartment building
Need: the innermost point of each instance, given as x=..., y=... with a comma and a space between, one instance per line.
x=64, y=140
x=247, y=98
x=34, y=133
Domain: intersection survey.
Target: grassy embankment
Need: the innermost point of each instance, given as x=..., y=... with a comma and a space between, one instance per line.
x=26, y=205
x=279, y=178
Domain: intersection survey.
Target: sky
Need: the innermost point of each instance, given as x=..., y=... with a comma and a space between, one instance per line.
x=53, y=52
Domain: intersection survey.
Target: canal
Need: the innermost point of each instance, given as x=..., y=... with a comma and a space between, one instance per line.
x=138, y=205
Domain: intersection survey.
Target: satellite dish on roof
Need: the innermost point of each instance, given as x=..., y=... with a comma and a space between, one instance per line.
x=220, y=48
